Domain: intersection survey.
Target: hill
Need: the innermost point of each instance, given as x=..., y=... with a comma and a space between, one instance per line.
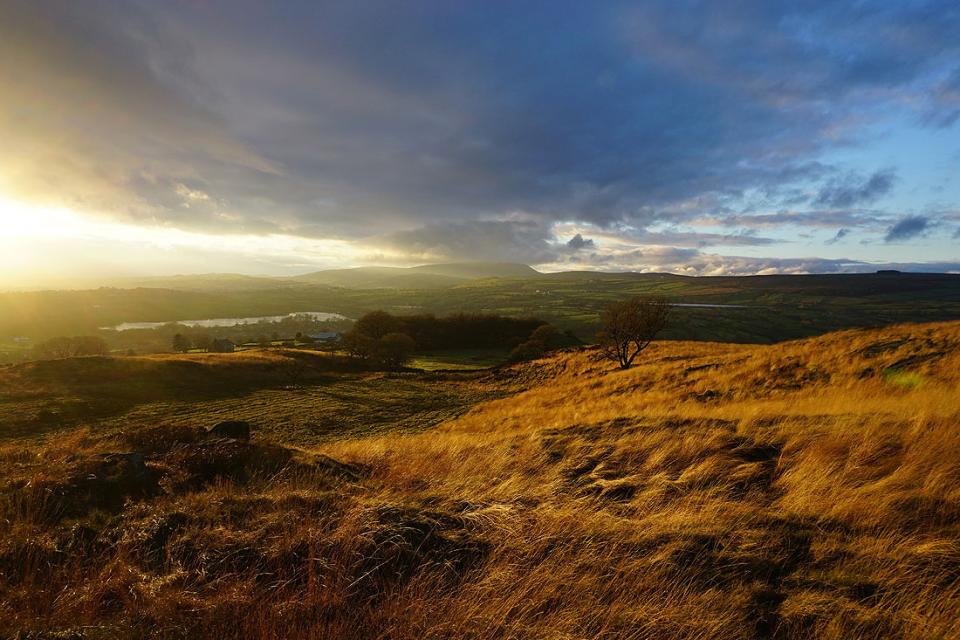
x=202, y=282
x=428, y=276
x=807, y=489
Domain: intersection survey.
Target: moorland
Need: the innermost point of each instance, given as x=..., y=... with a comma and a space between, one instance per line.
x=802, y=489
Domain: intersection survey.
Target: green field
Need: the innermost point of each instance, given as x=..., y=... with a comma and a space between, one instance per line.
x=769, y=308
x=459, y=360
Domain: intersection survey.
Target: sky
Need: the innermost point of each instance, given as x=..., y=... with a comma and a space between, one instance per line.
x=693, y=137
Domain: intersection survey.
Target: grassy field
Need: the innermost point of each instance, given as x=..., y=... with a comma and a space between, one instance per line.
x=296, y=397
x=459, y=359
x=809, y=489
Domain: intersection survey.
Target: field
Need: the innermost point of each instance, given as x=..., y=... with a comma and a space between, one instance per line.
x=805, y=489
x=764, y=309
x=459, y=359
x=297, y=397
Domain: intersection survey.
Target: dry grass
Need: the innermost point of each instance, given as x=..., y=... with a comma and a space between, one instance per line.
x=807, y=489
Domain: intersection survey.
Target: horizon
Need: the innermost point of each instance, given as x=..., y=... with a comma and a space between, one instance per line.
x=118, y=282
x=718, y=138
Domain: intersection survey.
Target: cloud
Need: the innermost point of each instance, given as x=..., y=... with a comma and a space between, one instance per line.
x=841, y=234
x=816, y=218
x=852, y=190
x=693, y=262
x=945, y=110
x=426, y=128
x=524, y=240
x=907, y=228
x=578, y=242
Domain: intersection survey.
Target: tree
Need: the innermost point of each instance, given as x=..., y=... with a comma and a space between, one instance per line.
x=394, y=350
x=629, y=326
x=64, y=347
x=294, y=369
x=59, y=347
x=203, y=341
x=358, y=345
x=377, y=324
x=544, y=339
x=89, y=346
x=181, y=343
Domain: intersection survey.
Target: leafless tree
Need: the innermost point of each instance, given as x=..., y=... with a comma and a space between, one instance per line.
x=629, y=326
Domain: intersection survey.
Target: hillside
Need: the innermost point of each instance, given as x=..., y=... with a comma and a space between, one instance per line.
x=427, y=276
x=203, y=282
x=802, y=490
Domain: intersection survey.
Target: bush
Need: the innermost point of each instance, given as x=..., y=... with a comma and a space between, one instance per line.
x=543, y=340
x=394, y=350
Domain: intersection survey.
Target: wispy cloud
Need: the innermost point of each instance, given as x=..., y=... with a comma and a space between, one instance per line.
x=849, y=191
x=840, y=235
x=907, y=228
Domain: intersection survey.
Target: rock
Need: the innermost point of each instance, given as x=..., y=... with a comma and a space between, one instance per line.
x=236, y=429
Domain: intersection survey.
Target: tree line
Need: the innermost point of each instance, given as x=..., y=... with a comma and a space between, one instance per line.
x=384, y=339
x=68, y=347
x=627, y=328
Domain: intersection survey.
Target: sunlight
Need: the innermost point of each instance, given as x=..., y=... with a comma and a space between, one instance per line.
x=39, y=241
x=19, y=220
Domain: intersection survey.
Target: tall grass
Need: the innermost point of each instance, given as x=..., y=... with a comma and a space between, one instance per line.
x=713, y=491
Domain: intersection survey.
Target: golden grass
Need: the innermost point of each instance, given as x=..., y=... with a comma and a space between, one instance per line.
x=807, y=489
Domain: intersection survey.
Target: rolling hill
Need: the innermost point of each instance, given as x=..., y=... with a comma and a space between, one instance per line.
x=428, y=276
x=807, y=489
x=754, y=309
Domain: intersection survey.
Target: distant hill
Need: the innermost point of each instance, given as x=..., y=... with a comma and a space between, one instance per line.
x=427, y=276
x=202, y=282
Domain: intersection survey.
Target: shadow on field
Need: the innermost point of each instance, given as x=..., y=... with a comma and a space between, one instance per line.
x=45, y=396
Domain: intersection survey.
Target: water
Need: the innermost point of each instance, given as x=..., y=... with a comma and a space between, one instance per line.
x=318, y=316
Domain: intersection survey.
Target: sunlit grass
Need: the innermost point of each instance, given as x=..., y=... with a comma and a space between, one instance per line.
x=713, y=491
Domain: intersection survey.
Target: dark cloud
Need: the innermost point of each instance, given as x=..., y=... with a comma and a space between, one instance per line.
x=841, y=234
x=815, y=218
x=444, y=128
x=526, y=240
x=907, y=228
x=847, y=192
x=578, y=242
x=701, y=239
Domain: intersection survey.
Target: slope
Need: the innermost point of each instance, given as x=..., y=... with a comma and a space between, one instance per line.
x=802, y=490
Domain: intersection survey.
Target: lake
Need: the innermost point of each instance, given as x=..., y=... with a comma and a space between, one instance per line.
x=319, y=316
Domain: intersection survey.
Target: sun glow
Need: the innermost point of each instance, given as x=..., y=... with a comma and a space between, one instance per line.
x=55, y=246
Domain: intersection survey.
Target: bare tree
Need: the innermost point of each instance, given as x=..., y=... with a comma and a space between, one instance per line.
x=629, y=326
